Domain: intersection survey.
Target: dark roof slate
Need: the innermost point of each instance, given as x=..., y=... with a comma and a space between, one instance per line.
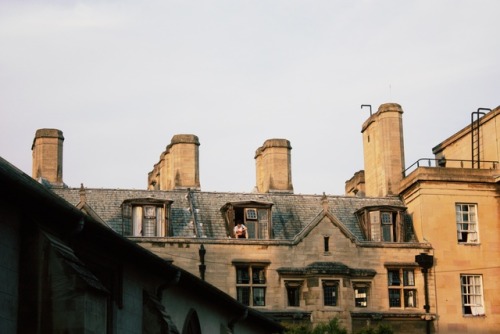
x=290, y=213
x=327, y=268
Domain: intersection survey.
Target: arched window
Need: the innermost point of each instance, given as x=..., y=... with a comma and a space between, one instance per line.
x=192, y=323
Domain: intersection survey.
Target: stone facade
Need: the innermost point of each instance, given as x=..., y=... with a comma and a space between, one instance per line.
x=314, y=239
x=463, y=250
x=414, y=248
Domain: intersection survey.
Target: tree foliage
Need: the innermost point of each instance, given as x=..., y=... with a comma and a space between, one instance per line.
x=331, y=327
x=334, y=327
x=380, y=329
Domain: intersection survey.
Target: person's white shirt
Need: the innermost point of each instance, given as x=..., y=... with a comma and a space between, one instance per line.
x=240, y=231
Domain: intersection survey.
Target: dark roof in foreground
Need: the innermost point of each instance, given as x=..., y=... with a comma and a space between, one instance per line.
x=61, y=216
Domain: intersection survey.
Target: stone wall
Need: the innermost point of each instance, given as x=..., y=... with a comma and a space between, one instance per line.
x=221, y=256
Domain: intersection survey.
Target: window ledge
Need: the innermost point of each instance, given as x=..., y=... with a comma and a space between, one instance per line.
x=469, y=243
x=473, y=316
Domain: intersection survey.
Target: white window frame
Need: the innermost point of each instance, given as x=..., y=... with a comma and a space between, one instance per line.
x=471, y=289
x=467, y=223
x=251, y=214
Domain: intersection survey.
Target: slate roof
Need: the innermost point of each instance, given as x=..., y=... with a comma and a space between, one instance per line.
x=290, y=213
x=73, y=262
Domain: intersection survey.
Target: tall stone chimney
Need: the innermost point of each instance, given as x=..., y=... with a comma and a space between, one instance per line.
x=383, y=151
x=178, y=167
x=48, y=156
x=273, y=166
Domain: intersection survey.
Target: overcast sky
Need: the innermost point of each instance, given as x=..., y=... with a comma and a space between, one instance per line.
x=120, y=78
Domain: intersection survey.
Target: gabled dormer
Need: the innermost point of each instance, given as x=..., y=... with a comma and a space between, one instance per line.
x=385, y=223
x=256, y=216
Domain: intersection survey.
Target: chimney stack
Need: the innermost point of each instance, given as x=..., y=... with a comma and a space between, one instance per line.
x=48, y=157
x=178, y=167
x=273, y=166
x=383, y=151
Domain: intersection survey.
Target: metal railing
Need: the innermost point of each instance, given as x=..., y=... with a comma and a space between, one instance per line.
x=449, y=163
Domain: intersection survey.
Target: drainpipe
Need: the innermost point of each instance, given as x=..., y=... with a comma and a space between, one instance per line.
x=426, y=262
x=202, y=267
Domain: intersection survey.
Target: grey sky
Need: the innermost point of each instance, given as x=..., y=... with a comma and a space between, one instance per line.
x=120, y=78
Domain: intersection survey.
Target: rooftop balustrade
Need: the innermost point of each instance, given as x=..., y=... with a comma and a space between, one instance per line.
x=450, y=163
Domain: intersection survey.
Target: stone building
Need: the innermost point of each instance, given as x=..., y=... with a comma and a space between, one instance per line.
x=64, y=271
x=400, y=247
x=454, y=202
x=453, y=199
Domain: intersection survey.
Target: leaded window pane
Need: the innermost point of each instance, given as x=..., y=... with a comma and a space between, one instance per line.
x=394, y=279
x=330, y=293
x=258, y=276
x=410, y=298
x=394, y=298
x=259, y=296
x=408, y=277
x=242, y=276
x=243, y=295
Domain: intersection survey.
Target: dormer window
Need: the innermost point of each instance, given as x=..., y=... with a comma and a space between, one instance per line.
x=146, y=217
x=384, y=223
x=256, y=216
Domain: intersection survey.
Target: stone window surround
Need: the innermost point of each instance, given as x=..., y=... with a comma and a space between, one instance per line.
x=405, y=285
x=251, y=286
